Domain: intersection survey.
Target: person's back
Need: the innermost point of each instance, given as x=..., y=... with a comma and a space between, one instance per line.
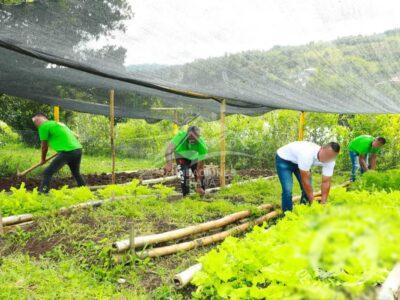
x=62, y=140
x=59, y=136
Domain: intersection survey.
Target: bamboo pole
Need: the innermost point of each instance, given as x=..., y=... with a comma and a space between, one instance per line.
x=223, y=144
x=12, y=220
x=175, y=126
x=112, y=135
x=144, y=182
x=141, y=241
x=216, y=189
x=183, y=278
x=18, y=226
x=301, y=125
x=161, y=251
x=390, y=289
x=1, y=224
x=56, y=111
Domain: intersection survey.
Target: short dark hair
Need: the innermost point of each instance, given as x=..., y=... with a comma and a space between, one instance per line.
x=334, y=146
x=40, y=115
x=381, y=140
x=194, y=129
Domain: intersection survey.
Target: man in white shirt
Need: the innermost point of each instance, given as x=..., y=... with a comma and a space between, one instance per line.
x=298, y=158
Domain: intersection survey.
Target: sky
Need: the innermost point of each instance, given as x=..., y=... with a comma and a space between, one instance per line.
x=180, y=31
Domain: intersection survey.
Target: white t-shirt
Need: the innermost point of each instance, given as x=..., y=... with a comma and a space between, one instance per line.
x=305, y=155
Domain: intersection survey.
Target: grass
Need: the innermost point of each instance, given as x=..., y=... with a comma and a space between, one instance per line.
x=69, y=257
x=14, y=157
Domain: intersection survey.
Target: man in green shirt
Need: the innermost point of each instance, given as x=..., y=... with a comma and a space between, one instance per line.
x=61, y=139
x=190, y=151
x=363, y=151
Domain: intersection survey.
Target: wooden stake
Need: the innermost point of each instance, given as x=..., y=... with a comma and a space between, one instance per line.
x=175, y=125
x=301, y=125
x=57, y=113
x=112, y=135
x=223, y=144
x=1, y=224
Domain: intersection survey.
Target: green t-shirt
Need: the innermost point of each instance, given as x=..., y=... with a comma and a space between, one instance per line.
x=191, y=151
x=59, y=136
x=362, y=145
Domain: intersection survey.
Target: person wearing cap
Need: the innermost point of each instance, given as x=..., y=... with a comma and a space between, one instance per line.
x=61, y=139
x=190, y=150
x=298, y=158
x=363, y=153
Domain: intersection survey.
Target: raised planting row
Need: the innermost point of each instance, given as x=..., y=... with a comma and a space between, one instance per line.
x=343, y=250
x=378, y=181
x=76, y=249
x=21, y=201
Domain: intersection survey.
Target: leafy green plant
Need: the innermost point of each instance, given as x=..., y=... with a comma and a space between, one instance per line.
x=335, y=251
x=374, y=180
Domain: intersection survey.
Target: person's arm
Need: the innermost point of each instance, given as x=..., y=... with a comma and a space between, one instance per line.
x=306, y=183
x=363, y=163
x=169, y=157
x=372, y=161
x=45, y=148
x=325, y=188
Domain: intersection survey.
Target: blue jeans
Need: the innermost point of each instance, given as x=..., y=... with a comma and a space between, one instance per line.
x=285, y=170
x=355, y=165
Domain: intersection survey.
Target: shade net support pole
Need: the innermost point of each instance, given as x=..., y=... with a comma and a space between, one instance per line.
x=223, y=144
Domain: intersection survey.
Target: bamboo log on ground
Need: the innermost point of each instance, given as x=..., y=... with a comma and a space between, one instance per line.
x=208, y=240
x=18, y=226
x=141, y=241
x=216, y=189
x=390, y=289
x=183, y=278
x=1, y=224
x=143, y=182
x=12, y=220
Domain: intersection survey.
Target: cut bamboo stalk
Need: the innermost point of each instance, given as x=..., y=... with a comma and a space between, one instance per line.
x=159, y=180
x=1, y=224
x=12, y=220
x=390, y=289
x=216, y=189
x=141, y=241
x=18, y=226
x=183, y=278
x=167, y=250
x=144, y=182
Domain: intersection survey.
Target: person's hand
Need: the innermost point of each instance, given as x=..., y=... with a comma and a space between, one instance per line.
x=200, y=191
x=168, y=168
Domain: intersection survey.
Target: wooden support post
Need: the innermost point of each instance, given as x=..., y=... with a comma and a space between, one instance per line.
x=112, y=135
x=175, y=125
x=223, y=144
x=56, y=113
x=1, y=224
x=301, y=125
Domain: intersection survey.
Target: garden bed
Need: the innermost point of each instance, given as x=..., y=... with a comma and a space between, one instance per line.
x=212, y=180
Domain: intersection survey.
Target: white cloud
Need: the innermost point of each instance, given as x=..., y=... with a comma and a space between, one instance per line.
x=179, y=31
